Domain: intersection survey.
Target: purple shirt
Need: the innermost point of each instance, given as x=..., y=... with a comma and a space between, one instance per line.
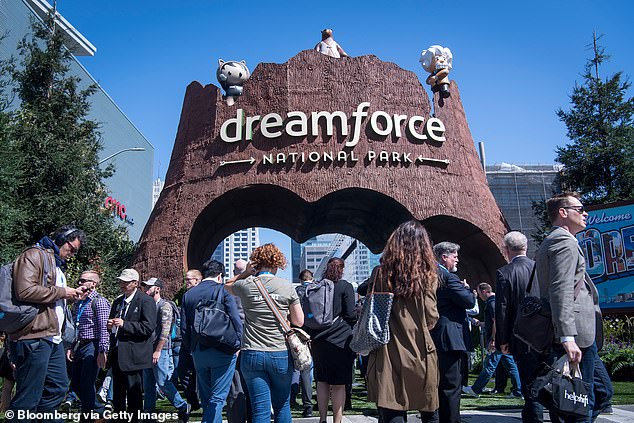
x=91, y=326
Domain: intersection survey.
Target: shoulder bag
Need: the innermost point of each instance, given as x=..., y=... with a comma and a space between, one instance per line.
x=372, y=330
x=534, y=324
x=297, y=340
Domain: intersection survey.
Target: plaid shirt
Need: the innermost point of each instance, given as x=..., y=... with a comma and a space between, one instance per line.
x=91, y=326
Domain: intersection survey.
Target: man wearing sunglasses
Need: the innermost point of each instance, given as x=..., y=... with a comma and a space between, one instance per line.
x=564, y=282
x=88, y=353
x=36, y=349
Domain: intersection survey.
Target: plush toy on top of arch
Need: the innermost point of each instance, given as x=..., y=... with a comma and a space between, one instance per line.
x=438, y=61
x=231, y=75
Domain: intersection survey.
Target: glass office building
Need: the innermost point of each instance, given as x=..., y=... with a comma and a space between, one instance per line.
x=130, y=188
x=515, y=188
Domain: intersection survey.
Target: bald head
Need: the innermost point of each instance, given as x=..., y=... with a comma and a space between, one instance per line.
x=239, y=266
x=192, y=278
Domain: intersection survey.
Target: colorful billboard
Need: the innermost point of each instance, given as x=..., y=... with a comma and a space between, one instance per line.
x=608, y=244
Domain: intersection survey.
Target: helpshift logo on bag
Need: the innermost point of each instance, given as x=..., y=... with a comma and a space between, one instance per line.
x=575, y=398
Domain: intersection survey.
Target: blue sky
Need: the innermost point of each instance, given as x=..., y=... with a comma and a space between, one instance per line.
x=515, y=62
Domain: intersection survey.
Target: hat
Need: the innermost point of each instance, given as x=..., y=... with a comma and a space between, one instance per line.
x=153, y=282
x=128, y=275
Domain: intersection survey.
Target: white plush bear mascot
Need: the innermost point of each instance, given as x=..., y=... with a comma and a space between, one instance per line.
x=231, y=75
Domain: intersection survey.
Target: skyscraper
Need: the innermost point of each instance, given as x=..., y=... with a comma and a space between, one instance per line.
x=236, y=246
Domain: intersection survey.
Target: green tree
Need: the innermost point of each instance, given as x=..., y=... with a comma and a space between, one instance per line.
x=55, y=148
x=599, y=163
x=12, y=227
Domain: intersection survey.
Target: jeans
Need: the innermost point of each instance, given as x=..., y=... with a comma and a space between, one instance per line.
x=160, y=375
x=588, y=357
x=176, y=352
x=603, y=390
x=488, y=368
x=268, y=375
x=214, y=372
x=84, y=376
x=40, y=375
x=305, y=380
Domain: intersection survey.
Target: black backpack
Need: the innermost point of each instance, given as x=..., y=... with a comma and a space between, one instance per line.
x=15, y=315
x=213, y=326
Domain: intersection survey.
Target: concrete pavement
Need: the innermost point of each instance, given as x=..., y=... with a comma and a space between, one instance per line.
x=622, y=414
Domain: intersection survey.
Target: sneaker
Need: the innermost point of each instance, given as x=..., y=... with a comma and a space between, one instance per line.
x=607, y=410
x=514, y=395
x=183, y=413
x=308, y=412
x=66, y=406
x=109, y=407
x=468, y=391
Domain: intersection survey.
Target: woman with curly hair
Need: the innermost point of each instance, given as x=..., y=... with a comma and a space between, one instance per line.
x=265, y=360
x=332, y=357
x=403, y=375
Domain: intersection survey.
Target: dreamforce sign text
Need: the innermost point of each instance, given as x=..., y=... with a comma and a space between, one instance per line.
x=296, y=125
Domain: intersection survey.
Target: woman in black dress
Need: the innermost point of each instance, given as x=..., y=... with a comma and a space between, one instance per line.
x=332, y=357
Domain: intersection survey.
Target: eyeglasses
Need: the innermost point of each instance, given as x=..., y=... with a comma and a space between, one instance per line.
x=73, y=249
x=578, y=209
x=81, y=280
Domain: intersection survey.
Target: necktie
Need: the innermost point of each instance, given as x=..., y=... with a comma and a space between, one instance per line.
x=120, y=315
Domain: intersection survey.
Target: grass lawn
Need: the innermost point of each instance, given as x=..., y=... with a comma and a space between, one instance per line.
x=623, y=394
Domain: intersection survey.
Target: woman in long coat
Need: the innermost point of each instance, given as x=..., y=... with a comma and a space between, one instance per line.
x=403, y=375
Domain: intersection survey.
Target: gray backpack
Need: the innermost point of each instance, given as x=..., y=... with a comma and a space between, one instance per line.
x=317, y=303
x=15, y=315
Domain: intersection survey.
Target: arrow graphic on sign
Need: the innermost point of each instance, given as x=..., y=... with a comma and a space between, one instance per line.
x=428, y=159
x=250, y=160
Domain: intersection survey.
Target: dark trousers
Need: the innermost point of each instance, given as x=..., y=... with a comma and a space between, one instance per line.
x=603, y=389
x=127, y=386
x=40, y=374
x=84, y=375
x=501, y=378
x=305, y=382
x=187, y=375
x=588, y=357
x=449, y=387
x=400, y=416
x=238, y=402
x=527, y=365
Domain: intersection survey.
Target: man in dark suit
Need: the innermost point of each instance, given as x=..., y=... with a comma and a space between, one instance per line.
x=454, y=297
x=512, y=280
x=132, y=322
x=564, y=282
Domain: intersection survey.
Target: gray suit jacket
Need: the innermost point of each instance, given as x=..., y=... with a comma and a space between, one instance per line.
x=560, y=263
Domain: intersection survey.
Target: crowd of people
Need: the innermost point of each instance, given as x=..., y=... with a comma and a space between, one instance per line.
x=224, y=345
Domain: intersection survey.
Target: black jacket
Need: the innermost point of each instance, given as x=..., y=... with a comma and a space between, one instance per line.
x=136, y=336
x=510, y=288
x=453, y=301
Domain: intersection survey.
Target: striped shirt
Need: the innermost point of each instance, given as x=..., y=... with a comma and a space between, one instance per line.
x=91, y=326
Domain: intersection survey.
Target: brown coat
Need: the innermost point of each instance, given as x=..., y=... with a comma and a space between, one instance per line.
x=403, y=375
x=27, y=287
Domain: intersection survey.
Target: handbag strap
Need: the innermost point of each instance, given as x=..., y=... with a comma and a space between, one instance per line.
x=577, y=283
x=269, y=302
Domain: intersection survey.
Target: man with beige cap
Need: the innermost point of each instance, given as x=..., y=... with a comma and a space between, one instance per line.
x=132, y=323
